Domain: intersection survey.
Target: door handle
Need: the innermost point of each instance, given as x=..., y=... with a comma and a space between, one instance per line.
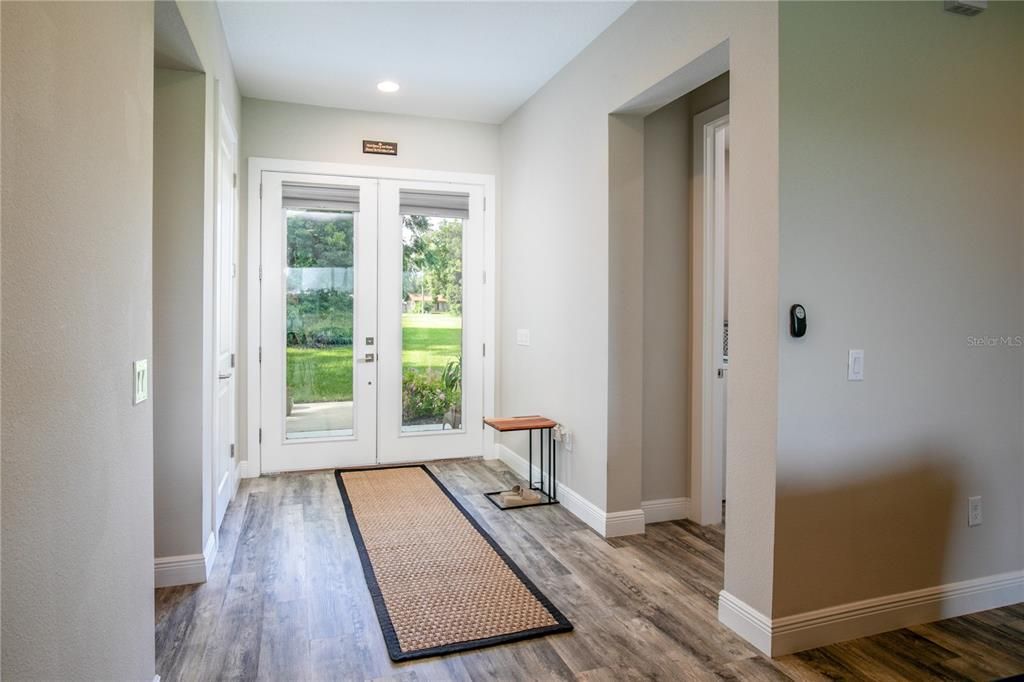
x=368, y=357
x=224, y=376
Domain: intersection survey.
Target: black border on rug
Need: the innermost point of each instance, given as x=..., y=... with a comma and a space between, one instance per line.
x=384, y=618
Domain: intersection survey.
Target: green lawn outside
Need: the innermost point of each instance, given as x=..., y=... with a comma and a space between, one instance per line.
x=325, y=374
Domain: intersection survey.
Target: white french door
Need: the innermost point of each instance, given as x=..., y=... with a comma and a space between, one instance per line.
x=319, y=320
x=371, y=335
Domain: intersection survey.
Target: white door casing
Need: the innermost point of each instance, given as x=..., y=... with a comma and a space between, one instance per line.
x=254, y=436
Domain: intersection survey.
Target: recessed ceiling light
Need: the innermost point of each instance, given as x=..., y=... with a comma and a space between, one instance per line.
x=387, y=86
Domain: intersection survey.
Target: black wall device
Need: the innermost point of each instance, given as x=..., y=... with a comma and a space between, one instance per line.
x=797, y=321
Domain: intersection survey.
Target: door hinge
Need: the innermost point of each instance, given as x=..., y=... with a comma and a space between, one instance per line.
x=234, y=179
x=485, y=350
x=485, y=277
x=260, y=355
x=485, y=203
x=261, y=435
x=232, y=359
x=232, y=451
x=261, y=190
x=261, y=273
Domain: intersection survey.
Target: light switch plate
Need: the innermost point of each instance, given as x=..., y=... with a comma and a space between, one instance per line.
x=974, y=511
x=523, y=337
x=140, y=372
x=855, y=367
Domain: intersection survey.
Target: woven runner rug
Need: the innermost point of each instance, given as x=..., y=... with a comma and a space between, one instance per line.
x=439, y=583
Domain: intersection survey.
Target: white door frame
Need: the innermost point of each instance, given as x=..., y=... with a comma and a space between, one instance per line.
x=257, y=165
x=707, y=259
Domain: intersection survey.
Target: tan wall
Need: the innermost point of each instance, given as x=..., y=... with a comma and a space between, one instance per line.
x=77, y=167
x=902, y=168
x=668, y=178
x=556, y=266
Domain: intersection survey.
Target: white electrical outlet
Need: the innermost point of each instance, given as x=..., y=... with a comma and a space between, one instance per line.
x=974, y=511
x=563, y=436
x=140, y=372
x=523, y=337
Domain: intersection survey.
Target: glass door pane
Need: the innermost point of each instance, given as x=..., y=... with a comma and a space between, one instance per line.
x=431, y=322
x=319, y=310
x=430, y=285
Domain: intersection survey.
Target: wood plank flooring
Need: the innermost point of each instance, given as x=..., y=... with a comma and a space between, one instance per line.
x=287, y=601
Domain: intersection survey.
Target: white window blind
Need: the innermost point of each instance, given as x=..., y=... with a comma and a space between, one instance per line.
x=434, y=204
x=330, y=197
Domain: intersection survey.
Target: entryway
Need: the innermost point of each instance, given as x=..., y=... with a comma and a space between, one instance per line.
x=371, y=320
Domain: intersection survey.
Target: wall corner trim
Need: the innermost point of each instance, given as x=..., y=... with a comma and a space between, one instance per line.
x=209, y=555
x=668, y=509
x=604, y=524
x=801, y=631
x=746, y=621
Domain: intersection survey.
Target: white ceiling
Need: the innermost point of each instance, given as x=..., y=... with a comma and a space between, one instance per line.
x=474, y=61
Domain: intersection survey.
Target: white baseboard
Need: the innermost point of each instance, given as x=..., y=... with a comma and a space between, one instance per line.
x=871, y=616
x=746, y=621
x=605, y=524
x=629, y=522
x=669, y=509
x=186, y=569
x=789, y=634
x=244, y=472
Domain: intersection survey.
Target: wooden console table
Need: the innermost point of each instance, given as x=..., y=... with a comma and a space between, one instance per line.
x=548, y=487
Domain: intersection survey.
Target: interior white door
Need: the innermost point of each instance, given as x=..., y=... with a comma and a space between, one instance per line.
x=318, y=322
x=225, y=315
x=431, y=332
x=720, y=314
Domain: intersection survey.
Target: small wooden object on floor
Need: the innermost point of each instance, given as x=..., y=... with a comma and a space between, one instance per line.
x=547, y=492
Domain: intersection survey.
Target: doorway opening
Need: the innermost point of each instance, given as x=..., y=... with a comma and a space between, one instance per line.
x=685, y=298
x=373, y=325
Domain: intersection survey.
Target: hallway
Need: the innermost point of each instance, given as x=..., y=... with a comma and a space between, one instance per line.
x=287, y=600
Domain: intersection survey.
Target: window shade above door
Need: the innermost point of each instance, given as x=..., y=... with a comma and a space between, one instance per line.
x=329, y=197
x=434, y=204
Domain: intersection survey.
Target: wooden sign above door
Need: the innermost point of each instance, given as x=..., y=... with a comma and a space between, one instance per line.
x=379, y=147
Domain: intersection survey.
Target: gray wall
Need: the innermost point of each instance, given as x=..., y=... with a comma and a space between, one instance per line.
x=668, y=178
x=77, y=293
x=902, y=213
x=183, y=290
x=179, y=140
x=558, y=277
